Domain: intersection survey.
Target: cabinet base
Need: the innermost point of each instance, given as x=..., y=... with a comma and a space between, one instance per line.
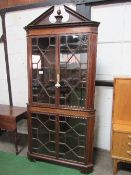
x=85, y=169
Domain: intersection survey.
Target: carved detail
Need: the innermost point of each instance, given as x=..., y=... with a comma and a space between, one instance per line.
x=73, y=113
x=59, y=16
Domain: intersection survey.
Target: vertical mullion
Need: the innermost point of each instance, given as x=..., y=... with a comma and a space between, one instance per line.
x=29, y=122
x=29, y=66
x=57, y=67
x=57, y=136
x=90, y=138
x=57, y=100
x=87, y=142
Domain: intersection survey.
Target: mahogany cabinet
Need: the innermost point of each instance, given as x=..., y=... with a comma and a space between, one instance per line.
x=61, y=73
x=121, y=122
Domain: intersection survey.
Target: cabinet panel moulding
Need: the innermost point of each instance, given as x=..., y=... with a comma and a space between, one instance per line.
x=67, y=112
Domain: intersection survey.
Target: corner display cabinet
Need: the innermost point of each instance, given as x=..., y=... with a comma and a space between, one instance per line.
x=61, y=73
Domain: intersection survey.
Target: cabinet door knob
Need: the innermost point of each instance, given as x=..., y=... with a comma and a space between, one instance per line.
x=129, y=152
x=57, y=85
x=129, y=143
x=129, y=136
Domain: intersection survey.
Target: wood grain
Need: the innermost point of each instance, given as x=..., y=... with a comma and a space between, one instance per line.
x=121, y=122
x=121, y=145
x=11, y=111
x=122, y=101
x=67, y=112
x=10, y=115
x=122, y=128
x=62, y=30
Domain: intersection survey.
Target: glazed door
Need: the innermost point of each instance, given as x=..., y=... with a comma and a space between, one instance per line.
x=59, y=70
x=44, y=134
x=73, y=70
x=44, y=70
x=62, y=137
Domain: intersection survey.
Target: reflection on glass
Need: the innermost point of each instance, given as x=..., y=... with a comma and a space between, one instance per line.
x=43, y=70
x=36, y=61
x=73, y=66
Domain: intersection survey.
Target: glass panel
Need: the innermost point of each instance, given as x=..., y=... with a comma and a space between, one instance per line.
x=43, y=70
x=73, y=66
x=72, y=139
x=43, y=134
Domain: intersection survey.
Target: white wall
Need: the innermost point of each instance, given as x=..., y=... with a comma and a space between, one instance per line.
x=17, y=51
x=4, y=99
x=113, y=60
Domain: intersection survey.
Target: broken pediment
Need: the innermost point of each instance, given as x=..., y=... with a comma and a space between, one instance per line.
x=44, y=20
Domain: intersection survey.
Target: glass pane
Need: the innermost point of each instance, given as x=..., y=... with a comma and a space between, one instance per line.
x=43, y=70
x=73, y=67
x=72, y=139
x=43, y=134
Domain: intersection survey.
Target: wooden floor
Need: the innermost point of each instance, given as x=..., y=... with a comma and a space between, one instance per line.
x=102, y=159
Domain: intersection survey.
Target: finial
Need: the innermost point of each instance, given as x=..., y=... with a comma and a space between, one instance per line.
x=59, y=11
x=59, y=16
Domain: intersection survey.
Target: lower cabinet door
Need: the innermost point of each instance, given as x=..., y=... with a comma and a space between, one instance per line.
x=44, y=134
x=61, y=137
x=72, y=138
